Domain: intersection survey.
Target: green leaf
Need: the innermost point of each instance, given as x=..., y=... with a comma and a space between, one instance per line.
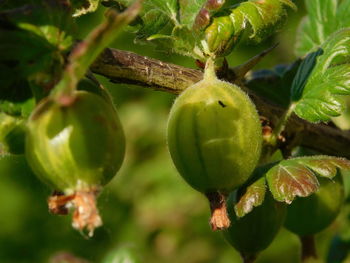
x=325, y=166
x=189, y=11
x=12, y=134
x=297, y=176
x=274, y=84
x=254, y=20
x=324, y=18
x=254, y=196
x=343, y=17
x=84, y=53
x=163, y=15
x=173, y=25
x=49, y=20
x=82, y=7
x=24, y=53
x=322, y=96
x=7, y=124
x=34, y=38
x=303, y=74
x=21, y=108
x=158, y=17
x=168, y=25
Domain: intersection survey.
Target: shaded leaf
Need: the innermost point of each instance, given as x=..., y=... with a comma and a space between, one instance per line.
x=86, y=51
x=12, y=134
x=297, y=176
x=324, y=18
x=274, y=84
x=321, y=99
x=34, y=38
x=17, y=108
x=253, y=197
x=49, y=20
x=23, y=53
x=303, y=74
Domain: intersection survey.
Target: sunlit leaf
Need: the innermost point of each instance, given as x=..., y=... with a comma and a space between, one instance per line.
x=325, y=166
x=324, y=18
x=255, y=20
x=165, y=23
x=189, y=11
x=343, y=17
x=321, y=98
x=253, y=197
x=158, y=17
x=290, y=179
x=298, y=176
x=82, y=7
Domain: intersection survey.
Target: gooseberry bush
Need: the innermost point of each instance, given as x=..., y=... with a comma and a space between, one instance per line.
x=266, y=148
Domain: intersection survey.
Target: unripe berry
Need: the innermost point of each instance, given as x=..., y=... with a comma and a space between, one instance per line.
x=256, y=230
x=312, y=214
x=75, y=148
x=214, y=135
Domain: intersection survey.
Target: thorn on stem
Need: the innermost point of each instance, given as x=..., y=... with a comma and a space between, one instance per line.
x=241, y=70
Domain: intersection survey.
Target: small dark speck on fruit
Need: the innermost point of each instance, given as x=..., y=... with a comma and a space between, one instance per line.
x=221, y=104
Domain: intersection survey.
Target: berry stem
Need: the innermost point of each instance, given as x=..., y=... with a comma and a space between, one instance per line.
x=248, y=258
x=219, y=219
x=308, y=248
x=209, y=72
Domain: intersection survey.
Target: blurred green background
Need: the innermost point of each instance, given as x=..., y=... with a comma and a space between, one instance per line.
x=149, y=213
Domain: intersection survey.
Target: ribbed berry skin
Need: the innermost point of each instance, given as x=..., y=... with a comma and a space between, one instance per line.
x=77, y=146
x=214, y=136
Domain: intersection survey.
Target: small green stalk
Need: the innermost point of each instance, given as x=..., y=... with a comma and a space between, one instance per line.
x=270, y=145
x=85, y=52
x=281, y=125
x=209, y=72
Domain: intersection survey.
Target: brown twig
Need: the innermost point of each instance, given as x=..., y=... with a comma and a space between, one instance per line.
x=130, y=68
